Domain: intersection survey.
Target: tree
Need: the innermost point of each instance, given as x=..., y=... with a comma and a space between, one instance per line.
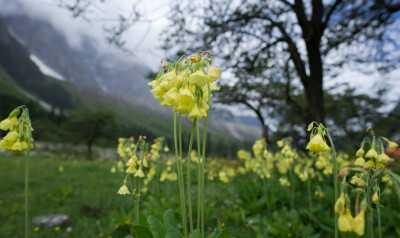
x=252, y=36
x=91, y=126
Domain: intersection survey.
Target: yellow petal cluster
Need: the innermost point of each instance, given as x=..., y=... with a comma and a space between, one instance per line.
x=185, y=88
x=317, y=144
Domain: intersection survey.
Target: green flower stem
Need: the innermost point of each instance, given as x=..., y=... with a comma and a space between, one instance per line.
x=335, y=181
x=27, y=182
x=378, y=210
x=203, y=158
x=138, y=200
x=180, y=177
x=188, y=181
x=309, y=193
x=198, y=181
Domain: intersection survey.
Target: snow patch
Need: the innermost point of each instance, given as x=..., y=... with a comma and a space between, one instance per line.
x=45, y=69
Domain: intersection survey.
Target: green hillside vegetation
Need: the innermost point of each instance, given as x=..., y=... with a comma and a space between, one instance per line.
x=60, y=123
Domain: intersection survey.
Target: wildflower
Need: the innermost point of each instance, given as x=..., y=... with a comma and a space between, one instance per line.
x=213, y=74
x=359, y=224
x=8, y=123
x=60, y=169
x=345, y=221
x=197, y=112
x=169, y=99
x=123, y=190
x=359, y=162
x=11, y=137
x=139, y=173
x=36, y=229
x=198, y=78
x=166, y=149
x=375, y=198
x=393, y=146
x=280, y=143
x=371, y=154
x=339, y=204
x=360, y=152
x=113, y=170
x=5, y=145
x=184, y=101
x=284, y=182
x=16, y=147
x=370, y=163
x=223, y=177
x=244, y=155
x=384, y=158
x=57, y=228
x=317, y=144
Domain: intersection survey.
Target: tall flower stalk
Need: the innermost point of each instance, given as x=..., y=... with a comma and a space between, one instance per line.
x=318, y=144
x=17, y=140
x=186, y=86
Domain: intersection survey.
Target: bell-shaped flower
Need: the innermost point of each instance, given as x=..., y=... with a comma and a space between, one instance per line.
x=317, y=144
x=371, y=154
x=346, y=221
x=184, y=101
x=123, y=190
x=213, y=74
x=359, y=224
x=359, y=162
x=198, y=78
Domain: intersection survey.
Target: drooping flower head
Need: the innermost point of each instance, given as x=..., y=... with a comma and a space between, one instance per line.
x=186, y=85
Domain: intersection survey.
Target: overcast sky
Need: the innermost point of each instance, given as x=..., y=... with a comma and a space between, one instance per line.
x=143, y=38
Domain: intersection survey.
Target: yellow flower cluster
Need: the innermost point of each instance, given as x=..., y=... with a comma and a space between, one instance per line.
x=346, y=222
x=18, y=134
x=185, y=87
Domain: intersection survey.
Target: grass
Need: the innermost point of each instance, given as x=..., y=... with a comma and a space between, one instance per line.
x=81, y=183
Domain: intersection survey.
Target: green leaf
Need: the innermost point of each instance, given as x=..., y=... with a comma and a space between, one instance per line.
x=194, y=234
x=142, y=231
x=169, y=219
x=225, y=233
x=156, y=228
x=173, y=233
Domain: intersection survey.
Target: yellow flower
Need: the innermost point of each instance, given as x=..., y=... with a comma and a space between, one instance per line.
x=339, y=204
x=371, y=163
x=213, y=74
x=360, y=152
x=393, y=146
x=242, y=154
x=359, y=224
x=184, y=101
x=169, y=99
x=60, y=169
x=375, y=198
x=371, y=154
x=317, y=144
x=145, y=164
x=57, y=228
x=8, y=123
x=345, y=221
x=198, y=78
x=280, y=143
x=384, y=158
x=11, y=137
x=223, y=177
x=258, y=147
x=197, y=112
x=36, y=229
x=359, y=162
x=139, y=173
x=123, y=190
x=284, y=182
x=5, y=145
x=166, y=149
x=17, y=147
x=113, y=170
